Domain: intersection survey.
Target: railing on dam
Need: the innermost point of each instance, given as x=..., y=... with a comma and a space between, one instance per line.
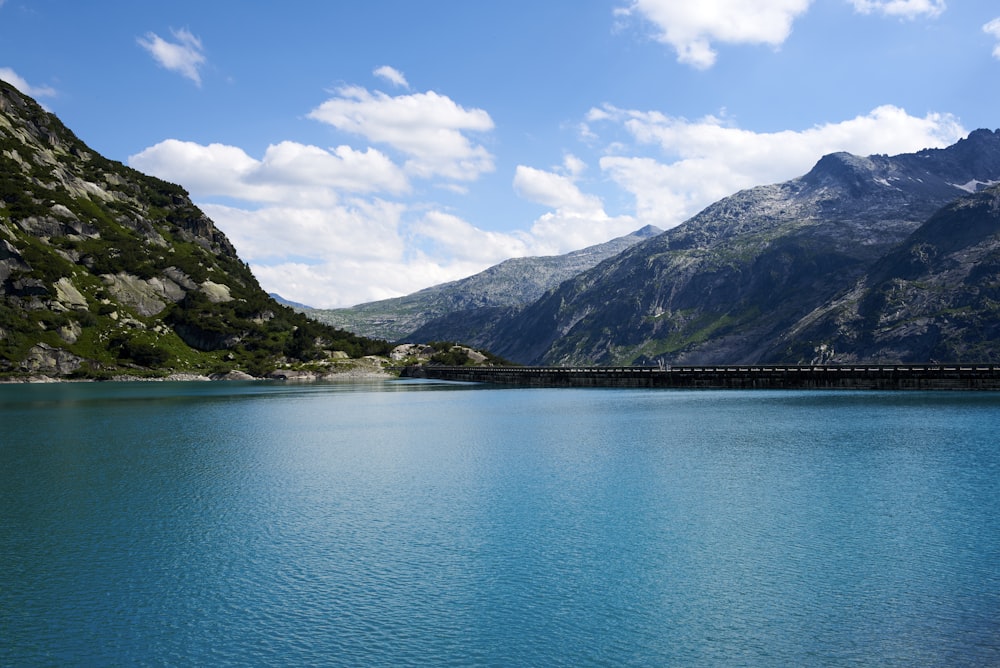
x=756, y=376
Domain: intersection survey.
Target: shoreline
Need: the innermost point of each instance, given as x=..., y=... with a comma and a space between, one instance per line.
x=237, y=376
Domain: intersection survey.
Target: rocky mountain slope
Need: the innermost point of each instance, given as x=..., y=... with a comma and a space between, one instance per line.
x=752, y=277
x=935, y=297
x=511, y=284
x=104, y=270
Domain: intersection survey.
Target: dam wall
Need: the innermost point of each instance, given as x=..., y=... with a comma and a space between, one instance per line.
x=765, y=377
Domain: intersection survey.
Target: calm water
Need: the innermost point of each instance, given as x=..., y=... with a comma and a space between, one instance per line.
x=406, y=523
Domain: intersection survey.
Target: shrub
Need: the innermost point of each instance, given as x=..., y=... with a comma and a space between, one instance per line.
x=144, y=354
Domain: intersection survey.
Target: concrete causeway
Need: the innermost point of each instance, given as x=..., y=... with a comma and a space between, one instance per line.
x=756, y=376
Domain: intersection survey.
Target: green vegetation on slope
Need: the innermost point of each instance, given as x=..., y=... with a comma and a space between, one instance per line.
x=105, y=270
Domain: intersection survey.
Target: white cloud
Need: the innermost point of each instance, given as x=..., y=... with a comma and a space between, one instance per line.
x=210, y=170
x=561, y=231
x=692, y=27
x=317, y=226
x=342, y=168
x=346, y=282
x=11, y=77
x=907, y=9
x=359, y=251
x=392, y=75
x=573, y=165
x=288, y=171
x=553, y=190
x=427, y=127
x=577, y=219
x=329, y=284
x=993, y=28
x=322, y=256
x=705, y=160
x=358, y=228
x=315, y=230
x=185, y=56
x=456, y=238
x=665, y=194
x=363, y=249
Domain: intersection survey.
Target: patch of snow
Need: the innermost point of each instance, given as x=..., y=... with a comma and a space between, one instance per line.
x=974, y=185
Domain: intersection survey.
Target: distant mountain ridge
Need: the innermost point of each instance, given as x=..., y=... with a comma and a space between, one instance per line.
x=281, y=300
x=511, y=284
x=734, y=283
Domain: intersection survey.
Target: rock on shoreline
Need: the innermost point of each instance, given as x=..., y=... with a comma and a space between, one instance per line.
x=282, y=375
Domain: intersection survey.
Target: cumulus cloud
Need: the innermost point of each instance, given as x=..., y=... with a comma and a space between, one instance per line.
x=576, y=219
x=691, y=28
x=318, y=225
x=316, y=229
x=184, y=56
x=553, y=190
x=429, y=128
x=907, y=9
x=457, y=238
x=361, y=249
x=346, y=282
x=392, y=75
x=11, y=77
x=287, y=172
x=322, y=256
x=358, y=251
x=363, y=229
x=573, y=165
x=993, y=28
x=701, y=161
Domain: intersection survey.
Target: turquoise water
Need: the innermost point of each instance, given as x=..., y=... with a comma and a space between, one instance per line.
x=411, y=523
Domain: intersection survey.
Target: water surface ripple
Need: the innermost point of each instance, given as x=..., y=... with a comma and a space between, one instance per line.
x=414, y=523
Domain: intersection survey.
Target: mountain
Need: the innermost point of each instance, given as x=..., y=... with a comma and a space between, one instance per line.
x=507, y=286
x=104, y=270
x=281, y=300
x=935, y=297
x=737, y=282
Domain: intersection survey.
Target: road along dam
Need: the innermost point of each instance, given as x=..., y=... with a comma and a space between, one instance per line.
x=768, y=376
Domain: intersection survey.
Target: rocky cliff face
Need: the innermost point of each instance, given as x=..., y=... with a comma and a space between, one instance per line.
x=104, y=269
x=936, y=297
x=733, y=284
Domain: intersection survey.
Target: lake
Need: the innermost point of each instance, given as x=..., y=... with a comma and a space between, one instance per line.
x=394, y=523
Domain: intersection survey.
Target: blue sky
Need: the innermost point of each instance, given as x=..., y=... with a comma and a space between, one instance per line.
x=354, y=151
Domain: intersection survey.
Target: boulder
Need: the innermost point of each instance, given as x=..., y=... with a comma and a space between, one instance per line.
x=70, y=333
x=217, y=293
x=291, y=375
x=235, y=374
x=49, y=361
x=68, y=295
x=147, y=297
